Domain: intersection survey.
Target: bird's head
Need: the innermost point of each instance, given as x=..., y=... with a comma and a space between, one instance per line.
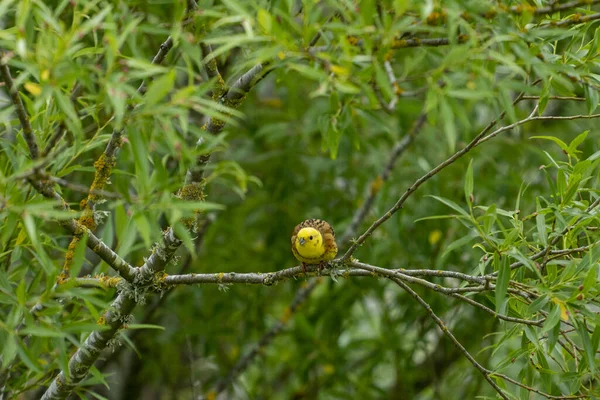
x=309, y=238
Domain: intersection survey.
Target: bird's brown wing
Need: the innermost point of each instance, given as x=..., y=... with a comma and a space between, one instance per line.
x=323, y=227
x=328, y=236
x=296, y=230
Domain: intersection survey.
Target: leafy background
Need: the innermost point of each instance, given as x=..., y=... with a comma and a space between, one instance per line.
x=310, y=140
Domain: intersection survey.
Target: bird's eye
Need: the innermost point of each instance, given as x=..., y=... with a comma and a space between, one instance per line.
x=310, y=238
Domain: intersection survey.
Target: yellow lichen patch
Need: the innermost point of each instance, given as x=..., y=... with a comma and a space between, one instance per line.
x=161, y=276
x=104, y=166
x=70, y=253
x=109, y=281
x=218, y=123
x=87, y=219
x=220, y=276
x=524, y=8
x=353, y=40
x=397, y=89
x=62, y=278
x=399, y=43
x=436, y=17
x=192, y=192
x=376, y=185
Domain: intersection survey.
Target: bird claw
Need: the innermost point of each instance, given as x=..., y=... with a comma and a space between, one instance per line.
x=321, y=266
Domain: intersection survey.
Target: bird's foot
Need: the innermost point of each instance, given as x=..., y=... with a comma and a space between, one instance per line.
x=303, y=265
x=321, y=266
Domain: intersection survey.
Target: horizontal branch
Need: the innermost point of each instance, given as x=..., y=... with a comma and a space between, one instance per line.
x=427, y=42
x=574, y=20
x=555, y=6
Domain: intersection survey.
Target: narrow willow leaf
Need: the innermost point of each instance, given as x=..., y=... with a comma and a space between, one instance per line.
x=541, y=224
x=469, y=183
x=503, y=268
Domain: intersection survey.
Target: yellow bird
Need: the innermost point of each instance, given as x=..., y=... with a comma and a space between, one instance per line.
x=313, y=243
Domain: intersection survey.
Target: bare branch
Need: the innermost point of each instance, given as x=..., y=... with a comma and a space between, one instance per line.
x=375, y=186
x=486, y=374
x=427, y=42
x=266, y=339
x=480, y=138
x=574, y=20
x=555, y=6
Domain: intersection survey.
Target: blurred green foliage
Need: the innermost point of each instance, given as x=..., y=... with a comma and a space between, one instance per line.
x=308, y=141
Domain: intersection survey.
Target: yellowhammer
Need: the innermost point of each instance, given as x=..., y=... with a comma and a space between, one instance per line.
x=313, y=243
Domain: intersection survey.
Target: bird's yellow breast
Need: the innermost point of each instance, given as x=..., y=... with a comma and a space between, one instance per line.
x=309, y=245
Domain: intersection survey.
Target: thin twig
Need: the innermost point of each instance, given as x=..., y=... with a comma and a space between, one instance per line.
x=418, y=183
x=375, y=186
x=555, y=6
x=427, y=42
x=482, y=137
x=573, y=19
x=446, y=331
x=265, y=340
x=28, y=134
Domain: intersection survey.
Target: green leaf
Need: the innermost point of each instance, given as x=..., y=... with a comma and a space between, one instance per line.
x=577, y=141
x=41, y=331
x=143, y=227
x=556, y=140
x=449, y=125
x=590, y=279
x=596, y=338
x=469, y=183
x=264, y=20
x=383, y=83
x=65, y=105
x=502, y=282
x=145, y=326
x=538, y=304
x=591, y=98
x=589, y=353
x=552, y=319
x=526, y=262
x=460, y=242
x=159, y=88
x=541, y=224
x=22, y=292
x=591, y=258
x=79, y=255
x=452, y=205
x=544, y=97
x=9, y=350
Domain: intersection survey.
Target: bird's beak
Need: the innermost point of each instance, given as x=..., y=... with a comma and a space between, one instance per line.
x=302, y=241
